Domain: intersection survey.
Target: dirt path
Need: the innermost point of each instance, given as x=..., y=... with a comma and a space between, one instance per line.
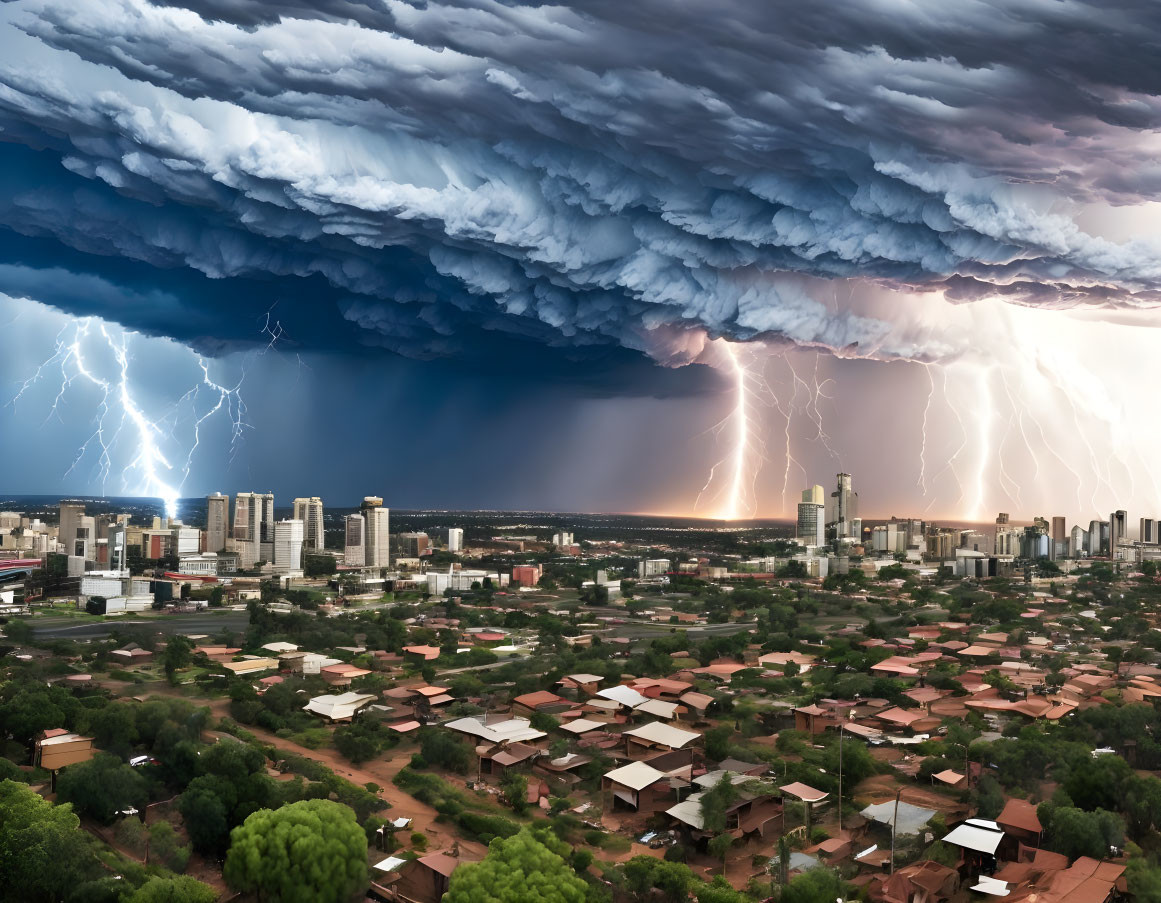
x=379, y=771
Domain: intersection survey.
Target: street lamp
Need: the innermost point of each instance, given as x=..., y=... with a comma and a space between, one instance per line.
x=842, y=727
x=894, y=826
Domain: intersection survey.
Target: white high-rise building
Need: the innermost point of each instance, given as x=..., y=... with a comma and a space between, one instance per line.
x=187, y=540
x=377, y=535
x=217, y=521
x=310, y=512
x=562, y=539
x=812, y=517
x=355, y=542
x=254, y=527
x=455, y=539
x=70, y=519
x=288, y=539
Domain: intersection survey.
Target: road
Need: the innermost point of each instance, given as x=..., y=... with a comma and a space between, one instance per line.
x=50, y=628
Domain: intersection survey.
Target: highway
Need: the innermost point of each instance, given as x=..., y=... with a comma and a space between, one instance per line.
x=50, y=628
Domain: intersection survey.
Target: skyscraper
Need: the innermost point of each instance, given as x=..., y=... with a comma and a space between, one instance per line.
x=455, y=539
x=811, y=527
x=254, y=527
x=355, y=541
x=217, y=521
x=1059, y=547
x=1118, y=531
x=310, y=512
x=842, y=510
x=377, y=537
x=288, y=545
x=70, y=519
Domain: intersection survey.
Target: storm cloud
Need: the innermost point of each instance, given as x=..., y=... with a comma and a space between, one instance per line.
x=607, y=178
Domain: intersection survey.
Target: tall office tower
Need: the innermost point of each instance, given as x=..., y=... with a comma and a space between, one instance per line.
x=413, y=545
x=562, y=539
x=254, y=517
x=1002, y=519
x=811, y=527
x=217, y=521
x=288, y=539
x=377, y=537
x=310, y=512
x=1149, y=531
x=1118, y=531
x=1078, y=542
x=842, y=510
x=1059, y=547
x=455, y=539
x=70, y=518
x=1098, y=537
x=355, y=540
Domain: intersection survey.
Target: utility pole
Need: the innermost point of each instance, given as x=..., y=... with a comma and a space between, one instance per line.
x=894, y=826
x=842, y=725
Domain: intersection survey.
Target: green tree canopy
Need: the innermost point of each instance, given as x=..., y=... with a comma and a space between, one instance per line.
x=102, y=787
x=308, y=852
x=43, y=854
x=527, y=868
x=181, y=889
x=815, y=886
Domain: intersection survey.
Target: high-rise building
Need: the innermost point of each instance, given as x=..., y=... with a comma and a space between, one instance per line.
x=217, y=521
x=70, y=518
x=355, y=540
x=1059, y=547
x=455, y=539
x=1078, y=542
x=842, y=510
x=186, y=540
x=254, y=527
x=1118, y=531
x=310, y=512
x=1098, y=537
x=811, y=528
x=1002, y=519
x=377, y=536
x=562, y=539
x=288, y=540
x=1148, y=534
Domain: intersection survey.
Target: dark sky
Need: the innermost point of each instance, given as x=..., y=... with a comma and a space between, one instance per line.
x=493, y=247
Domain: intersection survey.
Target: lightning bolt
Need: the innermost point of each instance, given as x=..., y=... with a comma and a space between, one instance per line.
x=91, y=353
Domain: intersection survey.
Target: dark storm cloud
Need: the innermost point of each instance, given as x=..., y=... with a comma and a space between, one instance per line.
x=584, y=178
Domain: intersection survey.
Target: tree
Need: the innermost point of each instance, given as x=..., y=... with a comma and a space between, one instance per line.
x=1144, y=880
x=102, y=787
x=444, y=749
x=181, y=889
x=204, y=816
x=529, y=867
x=515, y=789
x=43, y=853
x=1075, y=832
x=216, y=596
x=817, y=885
x=311, y=851
x=644, y=875
x=178, y=654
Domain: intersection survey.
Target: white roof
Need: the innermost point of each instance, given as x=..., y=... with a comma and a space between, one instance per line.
x=658, y=708
x=513, y=730
x=585, y=678
x=390, y=864
x=636, y=775
x=666, y=735
x=582, y=726
x=992, y=886
x=626, y=696
x=911, y=818
x=688, y=811
x=281, y=647
x=342, y=706
x=973, y=837
x=711, y=778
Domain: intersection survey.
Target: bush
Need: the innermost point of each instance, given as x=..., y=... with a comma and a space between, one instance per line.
x=418, y=841
x=581, y=860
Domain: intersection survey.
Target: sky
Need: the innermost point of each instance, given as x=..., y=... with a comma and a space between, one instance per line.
x=654, y=257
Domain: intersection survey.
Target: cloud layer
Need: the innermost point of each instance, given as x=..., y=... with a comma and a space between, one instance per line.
x=451, y=178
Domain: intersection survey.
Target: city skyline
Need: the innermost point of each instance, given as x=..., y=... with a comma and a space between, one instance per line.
x=561, y=261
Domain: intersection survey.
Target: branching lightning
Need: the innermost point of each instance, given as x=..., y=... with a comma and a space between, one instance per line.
x=90, y=354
